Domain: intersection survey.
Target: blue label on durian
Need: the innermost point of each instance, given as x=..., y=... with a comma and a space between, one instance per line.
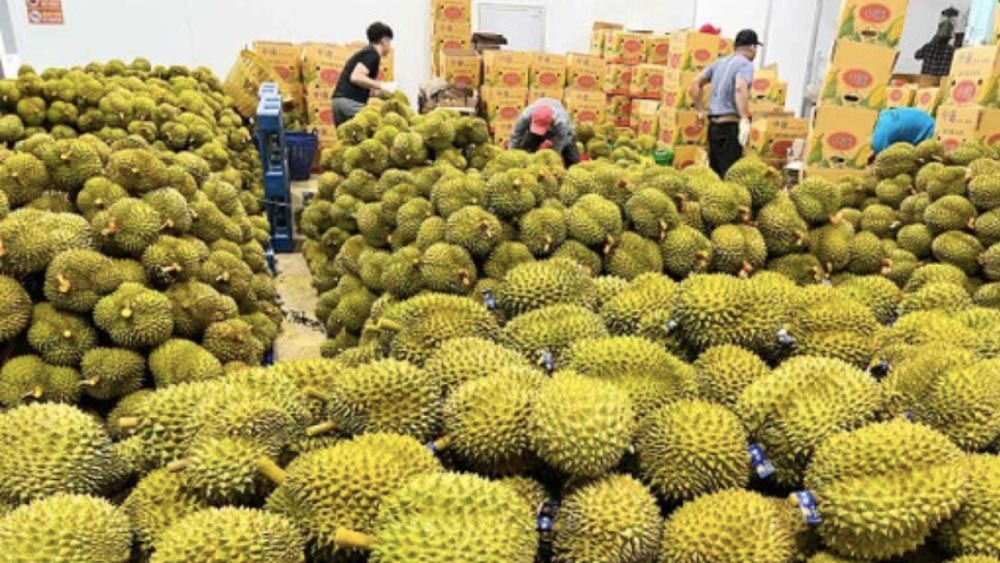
x=826, y=281
x=761, y=464
x=880, y=369
x=909, y=416
x=546, y=518
x=547, y=361
x=489, y=299
x=807, y=505
x=432, y=447
x=671, y=326
x=784, y=338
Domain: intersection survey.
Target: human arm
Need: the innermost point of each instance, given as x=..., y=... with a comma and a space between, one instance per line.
x=361, y=76
x=570, y=154
x=921, y=53
x=520, y=129
x=697, y=90
x=743, y=107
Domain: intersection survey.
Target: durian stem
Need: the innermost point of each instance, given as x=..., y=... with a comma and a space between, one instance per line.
x=466, y=278
x=745, y=270
x=168, y=224
x=91, y=382
x=443, y=443
x=223, y=277
x=386, y=324
x=126, y=313
x=64, y=284
x=971, y=224
x=178, y=465
x=609, y=243
x=353, y=540
x=663, y=229
x=3, y=248
x=321, y=428
x=35, y=393
x=129, y=422
x=111, y=229
x=314, y=393
x=271, y=470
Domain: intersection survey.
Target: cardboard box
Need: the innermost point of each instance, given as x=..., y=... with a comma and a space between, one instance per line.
x=627, y=47
x=900, y=96
x=538, y=91
x=726, y=47
x=858, y=74
x=873, y=21
x=318, y=100
x=620, y=110
x=771, y=137
x=618, y=79
x=451, y=10
x=584, y=105
x=988, y=132
x=449, y=36
x=584, y=72
x=321, y=115
x=692, y=50
x=645, y=117
x=461, y=68
x=681, y=127
x=765, y=83
x=781, y=92
x=840, y=137
x=282, y=57
x=927, y=99
x=506, y=68
x=599, y=33
x=658, y=49
x=690, y=156
x=676, y=88
x=759, y=108
x=832, y=174
x=973, y=79
x=504, y=103
x=547, y=70
x=502, y=129
x=957, y=124
x=387, y=72
x=647, y=82
x=322, y=64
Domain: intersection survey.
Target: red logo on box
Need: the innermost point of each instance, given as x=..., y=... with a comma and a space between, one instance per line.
x=586, y=81
x=512, y=79
x=780, y=148
x=703, y=55
x=325, y=115
x=874, y=13
x=950, y=144
x=586, y=115
x=284, y=72
x=895, y=95
x=462, y=80
x=330, y=76
x=509, y=112
x=925, y=98
x=656, y=81
x=547, y=78
x=992, y=139
x=964, y=91
x=452, y=12
x=858, y=78
x=452, y=44
x=693, y=130
x=842, y=141
x=670, y=98
x=667, y=136
x=761, y=84
x=631, y=45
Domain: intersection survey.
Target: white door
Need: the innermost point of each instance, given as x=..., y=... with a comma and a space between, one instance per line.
x=522, y=25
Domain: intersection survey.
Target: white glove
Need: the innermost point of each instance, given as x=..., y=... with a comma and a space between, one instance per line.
x=388, y=87
x=744, y=132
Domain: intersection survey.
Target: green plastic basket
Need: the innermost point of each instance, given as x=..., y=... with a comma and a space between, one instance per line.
x=664, y=157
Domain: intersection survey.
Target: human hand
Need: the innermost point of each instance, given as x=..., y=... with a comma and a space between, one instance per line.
x=744, y=132
x=388, y=88
x=702, y=118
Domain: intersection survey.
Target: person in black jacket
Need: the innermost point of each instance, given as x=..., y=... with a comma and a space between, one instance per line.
x=358, y=79
x=939, y=52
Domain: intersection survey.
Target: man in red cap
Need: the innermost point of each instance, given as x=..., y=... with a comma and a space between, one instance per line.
x=545, y=124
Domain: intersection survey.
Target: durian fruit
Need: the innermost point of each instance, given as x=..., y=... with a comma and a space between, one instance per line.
x=916, y=238
x=877, y=293
x=883, y=489
x=827, y=323
x=462, y=359
x=474, y=229
x=784, y=231
x=344, y=486
x=134, y=316
x=179, y=361
x=763, y=181
x=984, y=191
x=738, y=249
x=60, y=338
x=974, y=559
x=651, y=212
x=692, y=447
x=791, y=410
x=612, y=520
x=975, y=528
x=388, y=396
x=533, y=285
x=158, y=500
x=816, y=200
x=16, y=314
x=950, y=213
x=623, y=313
x=549, y=331
x=66, y=528
x=109, y=373
x=686, y=250
x=543, y=230
x=578, y=252
x=161, y=422
x=931, y=273
x=448, y=268
x=632, y=256
x=936, y=296
x=216, y=535
x=730, y=525
x=724, y=371
x=26, y=378
x=450, y=517
x=959, y=249
x=581, y=426
x=927, y=327
x=52, y=448
x=170, y=260
x=714, y=309
x=898, y=158
x=594, y=221
x=651, y=376
x=127, y=227
x=77, y=279
x=233, y=340
x=486, y=420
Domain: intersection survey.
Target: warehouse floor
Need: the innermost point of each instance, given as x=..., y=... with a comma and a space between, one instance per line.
x=301, y=334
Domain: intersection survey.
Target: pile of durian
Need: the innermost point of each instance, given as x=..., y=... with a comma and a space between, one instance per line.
x=132, y=241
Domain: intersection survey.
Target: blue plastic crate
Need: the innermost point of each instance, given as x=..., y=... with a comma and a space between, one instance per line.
x=301, y=153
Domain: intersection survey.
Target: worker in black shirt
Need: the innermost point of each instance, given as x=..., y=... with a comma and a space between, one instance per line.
x=358, y=79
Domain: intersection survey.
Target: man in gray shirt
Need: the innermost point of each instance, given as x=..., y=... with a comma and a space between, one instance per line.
x=544, y=124
x=729, y=107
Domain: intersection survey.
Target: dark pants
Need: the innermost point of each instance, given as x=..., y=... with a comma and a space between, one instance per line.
x=344, y=110
x=723, y=146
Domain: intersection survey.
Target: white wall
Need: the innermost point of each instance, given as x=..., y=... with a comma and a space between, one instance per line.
x=210, y=32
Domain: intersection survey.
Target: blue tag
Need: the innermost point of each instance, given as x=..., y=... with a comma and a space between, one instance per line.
x=269, y=357
x=909, y=416
x=671, y=326
x=880, y=369
x=272, y=262
x=490, y=300
x=546, y=361
x=784, y=338
x=546, y=517
x=761, y=464
x=807, y=504
x=432, y=447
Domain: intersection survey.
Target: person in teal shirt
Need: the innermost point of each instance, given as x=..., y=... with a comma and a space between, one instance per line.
x=901, y=125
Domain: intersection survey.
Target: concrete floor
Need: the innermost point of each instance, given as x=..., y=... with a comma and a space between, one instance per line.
x=301, y=333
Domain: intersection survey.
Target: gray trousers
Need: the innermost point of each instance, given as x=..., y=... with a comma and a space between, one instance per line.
x=344, y=110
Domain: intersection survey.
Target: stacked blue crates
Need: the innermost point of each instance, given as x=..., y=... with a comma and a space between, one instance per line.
x=273, y=151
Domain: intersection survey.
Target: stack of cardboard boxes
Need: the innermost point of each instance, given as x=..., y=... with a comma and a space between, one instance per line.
x=969, y=98
x=284, y=60
x=855, y=88
x=505, y=89
x=451, y=29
